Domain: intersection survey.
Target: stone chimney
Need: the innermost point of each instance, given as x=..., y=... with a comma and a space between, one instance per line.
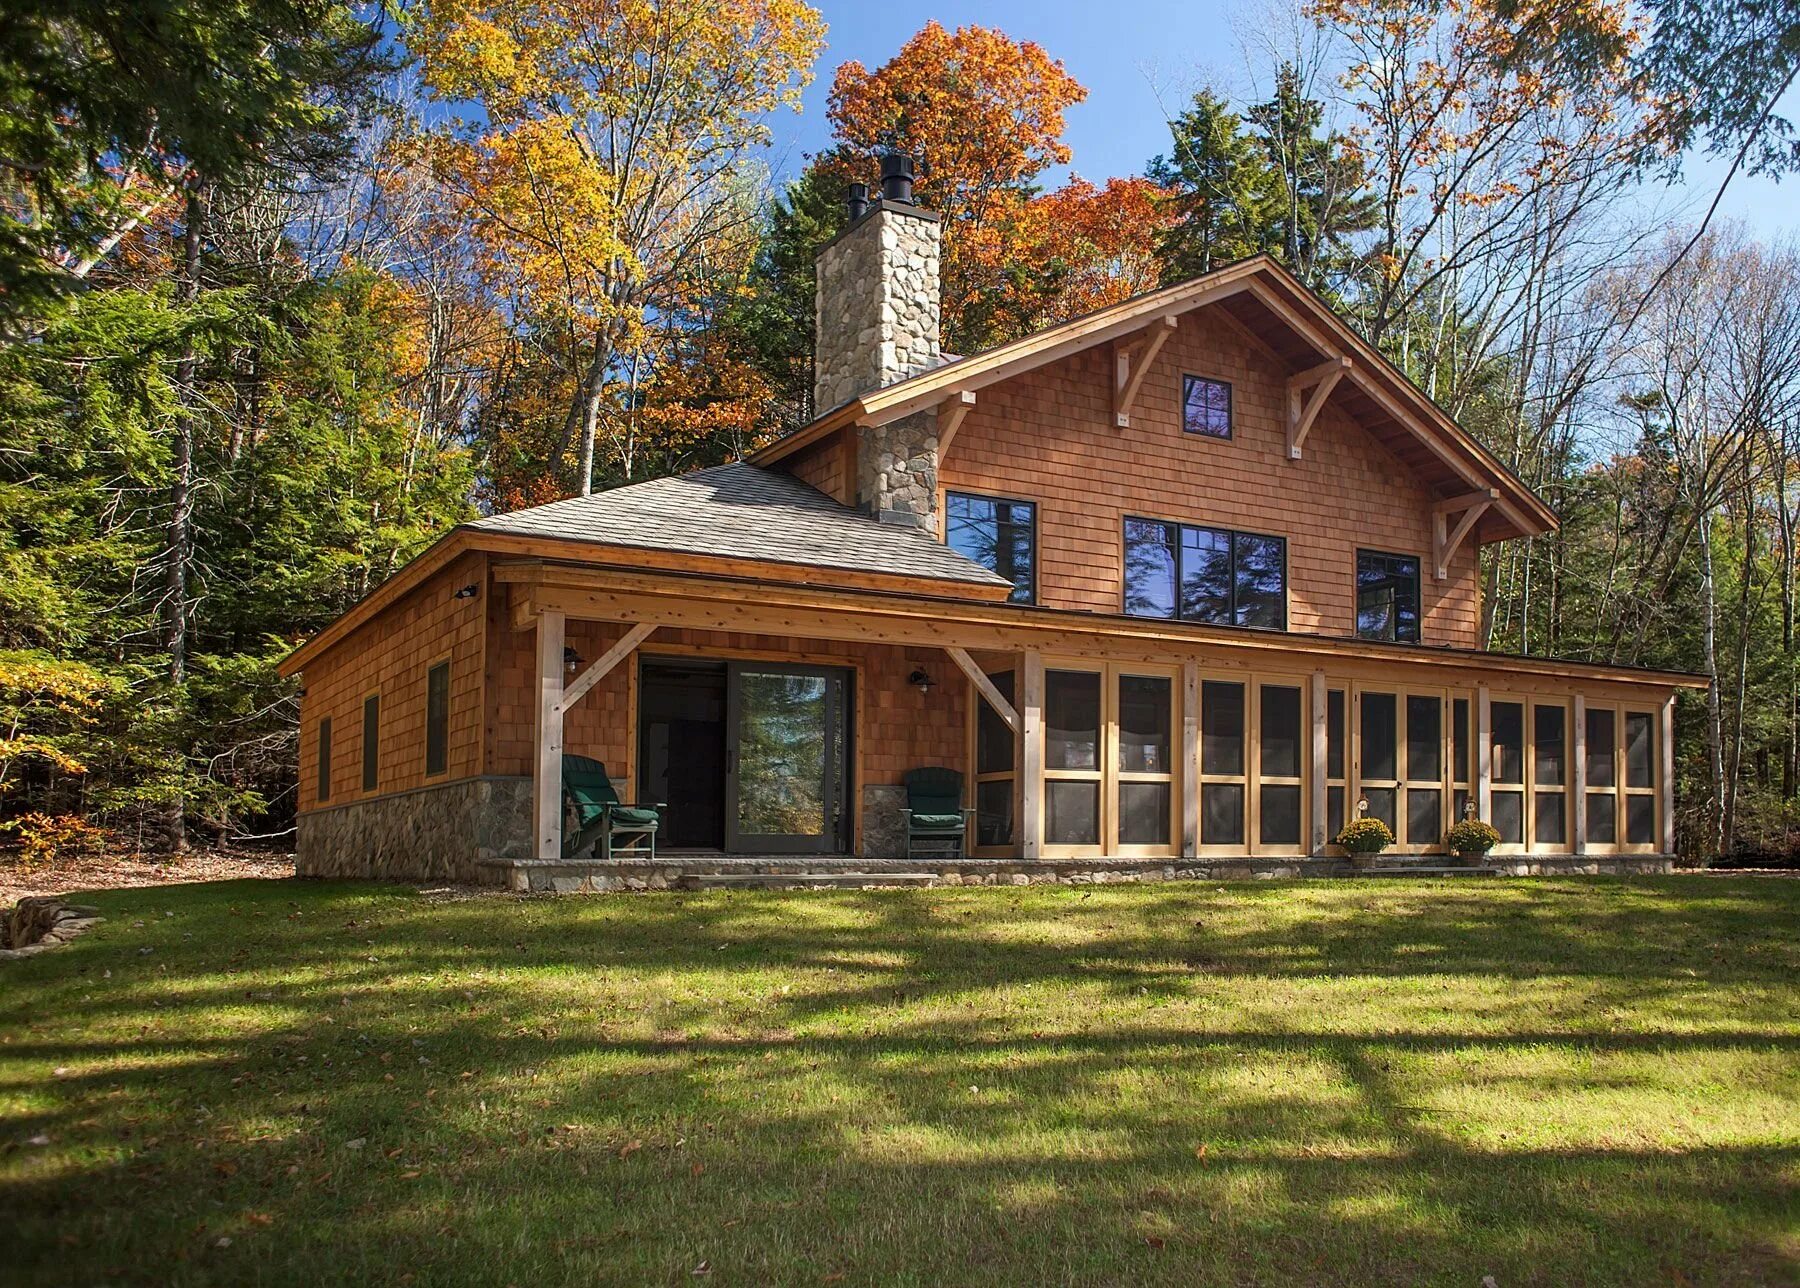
x=877, y=314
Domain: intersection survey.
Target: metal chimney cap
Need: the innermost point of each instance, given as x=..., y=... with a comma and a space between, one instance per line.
x=856, y=200
x=897, y=177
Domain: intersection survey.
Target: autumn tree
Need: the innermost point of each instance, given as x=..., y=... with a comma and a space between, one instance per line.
x=604, y=151
x=983, y=115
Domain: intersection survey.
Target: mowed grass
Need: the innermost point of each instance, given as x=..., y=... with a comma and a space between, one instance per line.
x=1550, y=1082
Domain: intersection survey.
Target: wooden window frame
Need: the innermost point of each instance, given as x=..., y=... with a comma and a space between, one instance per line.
x=1418, y=596
x=1565, y=789
x=1257, y=781
x=1107, y=773
x=1243, y=779
x=1654, y=791
x=322, y=749
x=1524, y=787
x=371, y=747
x=1230, y=408
x=1403, y=783
x=1036, y=550
x=440, y=664
x=1287, y=591
x=976, y=776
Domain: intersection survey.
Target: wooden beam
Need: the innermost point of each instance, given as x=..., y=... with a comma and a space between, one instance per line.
x=1665, y=794
x=1484, y=754
x=602, y=668
x=1190, y=759
x=951, y=413
x=1446, y=541
x=1320, y=739
x=546, y=776
x=984, y=686
x=1031, y=757
x=1132, y=361
x=1457, y=504
x=1321, y=379
x=1578, y=772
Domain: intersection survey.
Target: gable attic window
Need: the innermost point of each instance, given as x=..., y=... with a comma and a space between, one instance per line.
x=999, y=535
x=1210, y=575
x=1206, y=406
x=1387, y=597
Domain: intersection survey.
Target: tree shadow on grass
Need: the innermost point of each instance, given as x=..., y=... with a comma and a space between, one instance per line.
x=615, y=1090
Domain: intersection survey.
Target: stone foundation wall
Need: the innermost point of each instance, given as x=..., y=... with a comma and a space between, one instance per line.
x=451, y=832
x=883, y=833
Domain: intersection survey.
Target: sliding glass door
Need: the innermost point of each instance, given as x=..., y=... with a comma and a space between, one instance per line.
x=788, y=757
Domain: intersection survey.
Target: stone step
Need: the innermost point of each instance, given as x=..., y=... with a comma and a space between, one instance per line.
x=1425, y=870
x=805, y=880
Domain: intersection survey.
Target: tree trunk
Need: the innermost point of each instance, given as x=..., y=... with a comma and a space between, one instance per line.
x=178, y=547
x=1715, y=714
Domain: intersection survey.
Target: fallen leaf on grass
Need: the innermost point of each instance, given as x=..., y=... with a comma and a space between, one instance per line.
x=1154, y=1240
x=259, y=1218
x=704, y=1268
x=630, y=1147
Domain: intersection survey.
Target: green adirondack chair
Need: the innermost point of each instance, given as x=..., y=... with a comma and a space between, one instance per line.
x=601, y=818
x=937, y=825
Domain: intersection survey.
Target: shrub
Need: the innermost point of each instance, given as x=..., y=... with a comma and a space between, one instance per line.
x=44, y=839
x=1365, y=836
x=1472, y=836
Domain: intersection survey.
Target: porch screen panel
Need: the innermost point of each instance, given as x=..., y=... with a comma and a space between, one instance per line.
x=1222, y=763
x=1334, y=763
x=1145, y=759
x=1460, y=743
x=1379, y=773
x=1640, y=778
x=1424, y=770
x=1549, y=774
x=1281, y=727
x=995, y=771
x=1072, y=757
x=1507, y=749
x=1602, y=736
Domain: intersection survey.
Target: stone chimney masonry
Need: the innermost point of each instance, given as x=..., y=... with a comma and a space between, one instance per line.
x=877, y=315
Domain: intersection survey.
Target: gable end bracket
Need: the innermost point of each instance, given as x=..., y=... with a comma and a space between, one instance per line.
x=951, y=414
x=1303, y=410
x=1446, y=540
x=1131, y=363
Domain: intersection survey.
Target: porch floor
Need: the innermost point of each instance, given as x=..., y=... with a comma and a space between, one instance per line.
x=679, y=870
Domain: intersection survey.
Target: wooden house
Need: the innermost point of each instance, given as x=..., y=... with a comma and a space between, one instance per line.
x=1177, y=587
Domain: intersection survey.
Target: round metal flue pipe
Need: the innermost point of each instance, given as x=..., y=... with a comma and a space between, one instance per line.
x=856, y=199
x=897, y=178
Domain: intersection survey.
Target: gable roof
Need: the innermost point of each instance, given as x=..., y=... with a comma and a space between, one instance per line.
x=1283, y=317
x=738, y=511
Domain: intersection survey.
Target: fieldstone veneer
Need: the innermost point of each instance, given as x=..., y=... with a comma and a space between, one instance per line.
x=438, y=833
x=877, y=314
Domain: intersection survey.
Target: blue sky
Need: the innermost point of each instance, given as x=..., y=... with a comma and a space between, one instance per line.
x=1138, y=57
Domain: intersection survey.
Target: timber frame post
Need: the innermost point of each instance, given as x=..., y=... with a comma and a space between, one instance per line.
x=1031, y=758
x=1578, y=774
x=1131, y=363
x=1303, y=409
x=1484, y=754
x=1319, y=769
x=546, y=775
x=1446, y=540
x=1190, y=760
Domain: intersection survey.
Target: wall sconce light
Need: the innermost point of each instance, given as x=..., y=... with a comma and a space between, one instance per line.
x=571, y=659
x=920, y=680
x=468, y=592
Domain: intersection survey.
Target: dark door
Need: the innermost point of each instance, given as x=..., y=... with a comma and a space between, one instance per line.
x=787, y=755
x=681, y=724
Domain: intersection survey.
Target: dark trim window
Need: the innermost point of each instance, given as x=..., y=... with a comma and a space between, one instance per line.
x=998, y=534
x=371, y=747
x=1206, y=406
x=1210, y=575
x=437, y=719
x=325, y=759
x=1387, y=597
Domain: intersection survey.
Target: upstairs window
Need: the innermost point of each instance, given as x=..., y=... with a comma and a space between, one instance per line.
x=1210, y=575
x=1387, y=597
x=1206, y=406
x=999, y=535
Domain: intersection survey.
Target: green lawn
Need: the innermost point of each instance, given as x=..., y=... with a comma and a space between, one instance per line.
x=290, y=1083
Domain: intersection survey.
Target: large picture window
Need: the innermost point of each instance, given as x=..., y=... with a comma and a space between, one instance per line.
x=1387, y=597
x=997, y=534
x=1206, y=406
x=1210, y=575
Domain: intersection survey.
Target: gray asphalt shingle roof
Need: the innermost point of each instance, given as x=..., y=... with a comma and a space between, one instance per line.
x=743, y=512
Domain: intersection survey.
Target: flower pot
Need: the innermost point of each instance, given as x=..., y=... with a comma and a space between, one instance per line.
x=1472, y=858
x=1363, y=860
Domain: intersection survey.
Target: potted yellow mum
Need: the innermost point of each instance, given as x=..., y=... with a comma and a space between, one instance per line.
x=1364, y=838
x=1472, y=839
